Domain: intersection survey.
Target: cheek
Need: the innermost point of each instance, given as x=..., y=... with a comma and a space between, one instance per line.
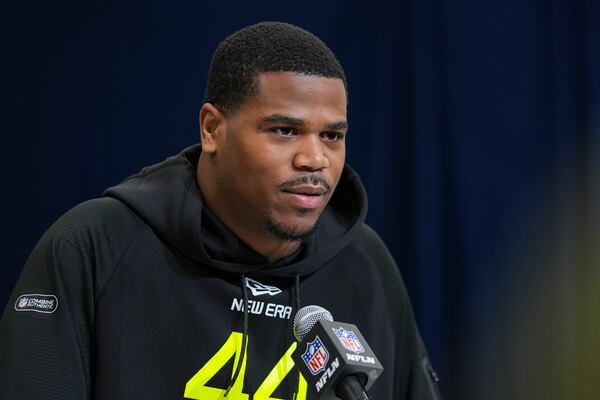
x=263, y=160
x=337, y=161
x=256, y=169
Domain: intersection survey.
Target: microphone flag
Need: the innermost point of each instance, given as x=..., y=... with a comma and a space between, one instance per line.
x=332, y=351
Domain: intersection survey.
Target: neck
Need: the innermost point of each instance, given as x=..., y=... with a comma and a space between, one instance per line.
x=273, y=253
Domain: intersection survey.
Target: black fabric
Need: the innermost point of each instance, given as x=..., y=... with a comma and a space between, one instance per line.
x=143, y=306
x=51, y=356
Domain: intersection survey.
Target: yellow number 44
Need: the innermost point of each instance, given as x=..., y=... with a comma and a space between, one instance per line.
x=196, y=387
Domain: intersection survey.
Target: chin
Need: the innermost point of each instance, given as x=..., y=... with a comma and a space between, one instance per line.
x=290, y=232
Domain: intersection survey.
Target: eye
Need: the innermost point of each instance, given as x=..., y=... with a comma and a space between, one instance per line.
x=282, y=131
x=332, y=136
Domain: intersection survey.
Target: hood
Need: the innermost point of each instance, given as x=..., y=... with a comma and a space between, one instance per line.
x=166, y=196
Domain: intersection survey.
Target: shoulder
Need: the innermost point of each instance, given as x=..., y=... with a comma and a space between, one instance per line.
x=371, y=244
x=104, y=217
x=97, y=231
x=88, y=241
x=378, y=260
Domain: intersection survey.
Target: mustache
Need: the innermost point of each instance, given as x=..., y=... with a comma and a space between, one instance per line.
x=309, y=179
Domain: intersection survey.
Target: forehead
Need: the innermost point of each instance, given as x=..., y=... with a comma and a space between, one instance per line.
x=289, y=92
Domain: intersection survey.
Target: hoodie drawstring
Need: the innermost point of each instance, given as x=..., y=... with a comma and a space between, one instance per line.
x=297, y=292
x=297, y=301
x=238, y=367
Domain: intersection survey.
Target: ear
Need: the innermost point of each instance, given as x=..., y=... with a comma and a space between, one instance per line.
x=212, y=124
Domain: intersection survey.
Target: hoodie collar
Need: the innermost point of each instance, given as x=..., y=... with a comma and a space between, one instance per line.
x=167, y=197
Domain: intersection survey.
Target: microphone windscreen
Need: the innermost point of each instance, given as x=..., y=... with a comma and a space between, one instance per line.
x=307, y=317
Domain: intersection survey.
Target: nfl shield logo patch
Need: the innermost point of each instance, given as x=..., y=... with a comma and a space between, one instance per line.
x=349, y=340
x=23, y=302
x=316, y=356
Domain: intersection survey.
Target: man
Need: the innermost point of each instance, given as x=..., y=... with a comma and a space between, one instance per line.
x=182, y=281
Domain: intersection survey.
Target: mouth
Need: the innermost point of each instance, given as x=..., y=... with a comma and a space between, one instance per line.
x=307, y=190
x=306, y=196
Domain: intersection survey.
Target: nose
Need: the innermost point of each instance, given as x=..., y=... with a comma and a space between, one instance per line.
x=311, y=154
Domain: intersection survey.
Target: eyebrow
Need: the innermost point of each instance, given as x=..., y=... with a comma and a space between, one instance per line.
x=335, y=126
x=291, y=121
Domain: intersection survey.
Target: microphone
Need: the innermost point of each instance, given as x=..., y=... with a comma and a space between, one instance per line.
x=333, y=357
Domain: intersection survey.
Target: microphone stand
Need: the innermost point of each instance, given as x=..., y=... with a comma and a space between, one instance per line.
x=351, y=389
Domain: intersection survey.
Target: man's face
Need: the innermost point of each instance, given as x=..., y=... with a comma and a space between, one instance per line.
x=282, y=154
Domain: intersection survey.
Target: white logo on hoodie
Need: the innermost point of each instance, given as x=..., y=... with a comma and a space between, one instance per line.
x=259, y=289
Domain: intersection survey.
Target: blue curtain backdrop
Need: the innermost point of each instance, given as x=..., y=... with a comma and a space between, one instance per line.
x=475, y=126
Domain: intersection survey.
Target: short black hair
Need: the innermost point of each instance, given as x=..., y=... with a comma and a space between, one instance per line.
x=264, y=47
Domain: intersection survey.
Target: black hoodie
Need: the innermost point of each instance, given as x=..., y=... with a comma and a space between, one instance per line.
x=142, y=294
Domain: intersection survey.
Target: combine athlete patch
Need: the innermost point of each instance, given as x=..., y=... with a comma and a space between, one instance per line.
x=42, y=303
